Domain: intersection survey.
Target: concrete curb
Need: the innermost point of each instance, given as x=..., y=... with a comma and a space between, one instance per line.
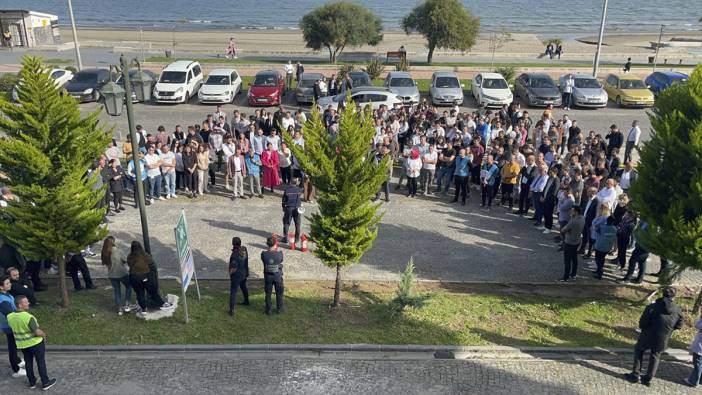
x=438, y=352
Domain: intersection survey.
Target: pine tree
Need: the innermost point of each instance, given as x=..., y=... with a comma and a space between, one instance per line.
x=48, y=150
x=346, y=175
x=668, y=191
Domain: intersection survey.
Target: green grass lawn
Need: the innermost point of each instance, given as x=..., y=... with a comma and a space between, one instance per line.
x=364, y=317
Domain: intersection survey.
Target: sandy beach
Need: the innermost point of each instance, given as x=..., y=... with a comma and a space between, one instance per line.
x=282, y=42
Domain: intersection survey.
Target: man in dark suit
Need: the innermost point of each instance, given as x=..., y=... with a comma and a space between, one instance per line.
x=292, y=201
x=657, y=324
x=549, y=198
x=589, y=208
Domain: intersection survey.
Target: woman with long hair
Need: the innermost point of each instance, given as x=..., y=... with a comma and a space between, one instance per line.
x=143, y=277
x=190, y=170
x=118, y=273
x=238, y=273
x=203, y=166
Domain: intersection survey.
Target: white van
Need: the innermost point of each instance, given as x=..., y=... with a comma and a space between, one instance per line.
x=178, y=82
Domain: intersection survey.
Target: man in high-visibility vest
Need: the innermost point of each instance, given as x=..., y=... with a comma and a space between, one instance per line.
x=31, y=340
x=7, y=306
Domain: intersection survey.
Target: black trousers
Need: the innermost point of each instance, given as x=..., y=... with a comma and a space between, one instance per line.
x=271, y=281
x=286, y=174
x=12, y=352
x=524, y=201
x=191, y=181
x=570, y=260
x=145, y=185
x=234, y=285
x=213, y=176
x=549, y=205
x=507, y=194
x=622, y=245
x=291, y=213
x=143, y=285
x=33, y=270
x=180, y=179
x=411, y=186
x=600, y=262
x=386, y=189
x=487, y=193
x=461, y=184
x=653, y=361
x=82, y=267
x=627, y=151
x=638, y=258
x=35, y=353
x=117, y=199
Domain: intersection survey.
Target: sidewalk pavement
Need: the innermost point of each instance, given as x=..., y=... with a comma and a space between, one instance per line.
x=345, y=369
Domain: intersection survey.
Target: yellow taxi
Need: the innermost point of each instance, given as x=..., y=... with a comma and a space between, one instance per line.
x=628, y=91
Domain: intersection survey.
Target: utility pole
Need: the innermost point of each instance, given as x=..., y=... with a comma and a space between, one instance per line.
x=658, y=47
x=75, y=36
x=599, y=41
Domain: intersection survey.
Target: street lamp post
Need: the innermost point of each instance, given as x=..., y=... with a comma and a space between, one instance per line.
x=658, y=47
x=75, y=36
x=599, y=40
x=114, y=97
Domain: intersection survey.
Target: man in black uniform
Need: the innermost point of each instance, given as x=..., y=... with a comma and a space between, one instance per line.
x=273, y=275
x=292, y=200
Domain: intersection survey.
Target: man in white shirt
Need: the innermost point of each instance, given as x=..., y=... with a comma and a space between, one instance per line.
x=632, y=140
x=153, y=173
x=258, y=141
x=288, y=121
x=168, y=162
x=220, y=113
x=228, y=149
x=274, y=139
x=288, y=75
x=608, y=195
x=568, y=85
x=429, y=159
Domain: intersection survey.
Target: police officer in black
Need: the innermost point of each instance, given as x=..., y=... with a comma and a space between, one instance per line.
x=292, y=201
x=238, y=273
x=273, y=275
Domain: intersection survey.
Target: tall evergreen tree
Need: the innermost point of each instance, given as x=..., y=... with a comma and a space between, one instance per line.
x=668, y=191
x=48, y=150
x=343, y=170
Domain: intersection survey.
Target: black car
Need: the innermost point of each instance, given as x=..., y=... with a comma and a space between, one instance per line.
x=86, y=84
x=359, y=79
x=537, y=89
x=132, y=73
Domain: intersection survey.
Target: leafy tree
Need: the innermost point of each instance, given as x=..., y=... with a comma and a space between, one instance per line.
x=338, y=25
x=444, y=23
x=346, y=177
x=45, y=156
x=668, y=191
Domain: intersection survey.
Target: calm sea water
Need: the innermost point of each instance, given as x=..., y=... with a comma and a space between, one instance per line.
x=540, y=16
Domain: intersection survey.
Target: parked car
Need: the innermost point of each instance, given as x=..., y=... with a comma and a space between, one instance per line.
x=587, y=92
x=628, y=91
x=402, y=84
x=221, y=86
x=178, y=82
x=365, y=95
x=86, y=84
x=537, y=89
x=661, y=80
x=267, y=89
x=446, y=88
x=491, y=90
x=61, y=77
x=305, y=87
x=132, y=73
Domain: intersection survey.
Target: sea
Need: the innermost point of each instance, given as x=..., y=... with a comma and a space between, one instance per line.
x=549, y=17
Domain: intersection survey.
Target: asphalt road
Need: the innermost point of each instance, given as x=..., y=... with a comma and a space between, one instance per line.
x=151, y=115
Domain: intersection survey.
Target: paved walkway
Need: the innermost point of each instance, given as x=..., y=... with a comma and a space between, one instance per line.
x=237, y=373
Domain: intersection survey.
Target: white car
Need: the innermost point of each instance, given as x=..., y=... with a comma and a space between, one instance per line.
x=60, y=77
x=365, y=95
x=221, y=86
x=178, y=82
x=491, y=90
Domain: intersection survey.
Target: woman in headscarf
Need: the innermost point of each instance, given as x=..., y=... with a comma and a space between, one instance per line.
x=413, y=166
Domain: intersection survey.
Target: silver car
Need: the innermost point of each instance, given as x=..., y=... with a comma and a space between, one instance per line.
x=587, y=92
x=305, y=87
x=446, y=88
x=402, y=84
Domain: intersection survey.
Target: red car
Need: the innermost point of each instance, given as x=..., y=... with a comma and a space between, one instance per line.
x=267, y=89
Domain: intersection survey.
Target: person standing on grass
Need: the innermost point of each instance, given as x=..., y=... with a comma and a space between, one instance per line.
x=32, y=341
x=272, y=260
x=7, y=306
x=696, y=350
x=143, y=278
x=118, y=273
x=657, y=324
x=238, y=273
x=572, y=234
